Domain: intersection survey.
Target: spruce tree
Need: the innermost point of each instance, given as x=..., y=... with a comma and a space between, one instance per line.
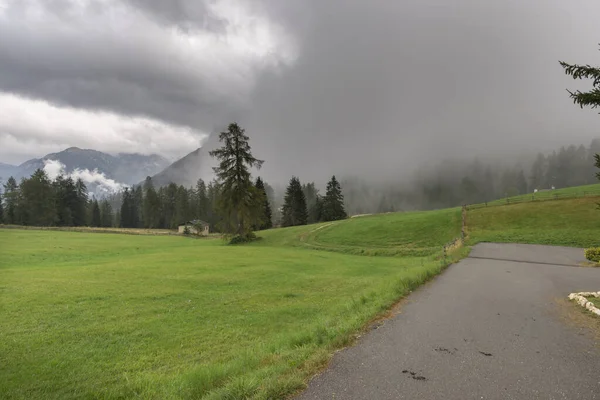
x=266, y=217
x=202, y=203
x=333, y=203
x=1, y=210
x=151, y=205
x=584, y=99
x=96, y=216
x=11, y=201
x=106, y=214
x=294, y=205
x=36, y=202
x=80, y=204
x=240, y=204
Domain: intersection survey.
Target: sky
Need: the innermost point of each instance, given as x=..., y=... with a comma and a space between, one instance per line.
x=322, y=87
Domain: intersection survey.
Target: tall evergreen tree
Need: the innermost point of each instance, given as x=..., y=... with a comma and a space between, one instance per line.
x=36, y=202
x=240, y=203
x=128, y=215
x=266, y=217
x=294, y=205
x=11, y=201
x=202, y=203
x=106, y=214
x=333, y=202
x=151, y=205
x=1, y=210
x=81, y=202
x=96, y=220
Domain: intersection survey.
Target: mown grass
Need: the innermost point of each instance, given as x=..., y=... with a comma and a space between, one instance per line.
x=157, y=317
x=569, y=222
x=595, y=301
x=414, y=234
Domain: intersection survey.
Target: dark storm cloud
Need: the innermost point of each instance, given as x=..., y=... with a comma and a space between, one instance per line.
x=371, y=88
x=381, y=87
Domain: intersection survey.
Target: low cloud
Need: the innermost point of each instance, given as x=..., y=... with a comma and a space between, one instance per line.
x=101, y=183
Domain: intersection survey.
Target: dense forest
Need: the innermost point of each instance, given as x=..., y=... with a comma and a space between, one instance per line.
x=40, y=201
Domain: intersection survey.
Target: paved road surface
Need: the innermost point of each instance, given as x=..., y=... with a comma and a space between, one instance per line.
x=487, y=328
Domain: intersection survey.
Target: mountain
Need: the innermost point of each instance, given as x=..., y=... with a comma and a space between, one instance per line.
x=187, y=170
x=6, y=171
x=124, y=168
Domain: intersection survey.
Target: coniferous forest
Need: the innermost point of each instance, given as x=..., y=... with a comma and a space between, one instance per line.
x=64, y=202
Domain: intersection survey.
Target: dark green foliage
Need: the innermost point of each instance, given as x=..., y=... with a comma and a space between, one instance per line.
x=313, y=202
x=1, y=211
x=36, y=201
x=584, y=99
x=201, y=202
x=11, y=201
x=151, y=206
x=129, y=212
x=241, y=239
x=106, y=214
x=240, y=204
x=294, y=205
x=266, y=216
x=96, y=215
x=333, y=202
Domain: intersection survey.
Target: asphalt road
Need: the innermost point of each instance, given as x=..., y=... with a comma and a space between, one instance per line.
x=486, y=328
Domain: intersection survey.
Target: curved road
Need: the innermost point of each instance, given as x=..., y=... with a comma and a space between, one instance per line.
x=494, y=326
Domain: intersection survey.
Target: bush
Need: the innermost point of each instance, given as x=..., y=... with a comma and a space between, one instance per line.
x=593, y=254
x=239, y=239
x=186, y=230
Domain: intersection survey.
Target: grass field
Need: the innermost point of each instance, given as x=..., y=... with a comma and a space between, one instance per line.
x=565, y=193
x=94, y=315
x=91, y=315
x=568, y=222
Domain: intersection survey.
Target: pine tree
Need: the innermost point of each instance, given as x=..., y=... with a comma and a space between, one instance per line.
x=151, y=206
x=266, y=217
x=36, y=201
x=1, y=210
x=333, y=203
x=128, y=218
x=202, y=203
x=81, y=201
x=96, y=216
x=294, y=205
x=240, y=203
x=11, y=201
x=106, y=214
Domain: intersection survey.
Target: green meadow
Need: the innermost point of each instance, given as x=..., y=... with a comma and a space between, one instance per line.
x=109, y=316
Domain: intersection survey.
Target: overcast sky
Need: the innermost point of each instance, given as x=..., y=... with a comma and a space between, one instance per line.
x=321, y=86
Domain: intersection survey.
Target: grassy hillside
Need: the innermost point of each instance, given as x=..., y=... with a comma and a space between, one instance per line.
x=568, y=222
x=394, y=234
x=570, y=192
x=91, y=315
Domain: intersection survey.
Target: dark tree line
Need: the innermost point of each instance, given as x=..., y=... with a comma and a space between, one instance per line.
x=303, y=204
x=39, y=201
